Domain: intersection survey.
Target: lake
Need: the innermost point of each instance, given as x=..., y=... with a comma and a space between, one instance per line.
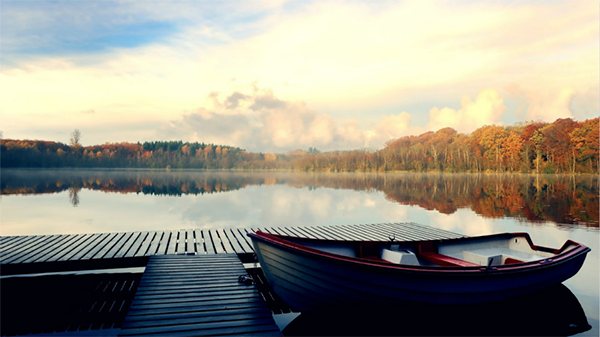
x=550, y=208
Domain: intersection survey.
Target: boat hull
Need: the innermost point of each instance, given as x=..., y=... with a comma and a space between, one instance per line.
x=309, y=281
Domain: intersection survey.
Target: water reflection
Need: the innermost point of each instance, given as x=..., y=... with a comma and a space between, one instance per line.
x=565, y=200
x=74, y=196
x=553, y=311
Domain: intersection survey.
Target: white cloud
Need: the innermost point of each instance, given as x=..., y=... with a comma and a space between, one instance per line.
x=544, y=105
x=390, y=127
x=339, y=57
x=487, y=109
x=260, y=121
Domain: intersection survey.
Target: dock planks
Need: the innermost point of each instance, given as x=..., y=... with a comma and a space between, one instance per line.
x=185, y=295
x=26, y=254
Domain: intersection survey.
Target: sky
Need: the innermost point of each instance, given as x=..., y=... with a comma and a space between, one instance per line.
x=275, y=75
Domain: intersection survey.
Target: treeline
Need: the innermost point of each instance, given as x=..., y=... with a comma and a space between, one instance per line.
x=565, y=146
x=160, y=154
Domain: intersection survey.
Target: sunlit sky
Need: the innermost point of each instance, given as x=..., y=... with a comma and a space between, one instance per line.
x=283, y=75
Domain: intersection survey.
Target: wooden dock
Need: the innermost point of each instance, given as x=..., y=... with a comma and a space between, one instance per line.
x=197, y=296
x=61, y=252
x=190, y=284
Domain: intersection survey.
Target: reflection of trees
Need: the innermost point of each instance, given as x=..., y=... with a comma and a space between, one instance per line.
x=560, y=199
x=74, y=196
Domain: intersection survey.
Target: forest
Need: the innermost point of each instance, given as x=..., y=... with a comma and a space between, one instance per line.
x=565, y=146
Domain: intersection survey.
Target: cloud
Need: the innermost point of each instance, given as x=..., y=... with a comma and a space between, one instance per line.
x=391, y=127
x=553, y=103
x=260, y=121
x=586, y=103
x=487, y=109
x=233, y=100
x=351, y=61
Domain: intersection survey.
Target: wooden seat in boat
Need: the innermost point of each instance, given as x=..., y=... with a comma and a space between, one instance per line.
x=428, y=252
x=445, y=260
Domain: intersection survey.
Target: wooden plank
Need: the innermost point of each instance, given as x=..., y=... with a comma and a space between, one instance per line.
x=145, y=246
x=199, y=317
x=384, y=234
x=127, y=245
x=305, y=233
x=21, y=241
x=327, y=234
x=434, y=231
x=34, y=249
x=17, y=251
x=269, y=230
x=399, y=233
x=154, y=244
x=181, y=243
x=233, y=241
x=115, y=242
x=208, y=243
x=91, y=244
x=362, y=234
x=208, y=327
x=200, y=273
x=243, y=239
x=163, y=245
x=293, y=232
x=41, y=242
x=206, y=309
x=95, y=241
x=282, y=231
x=5, y=240
x=344, y=233
x=172, y=242
x=106, y=241
x=311, y=232
x=133, y=249
x=168, y=290
x=190, y=244
x=216, y=241
x=276, y=230
x=119, y=245
x=141, y=317
x=414, y=230
x=240, y=237
x=69, y=252
x=178, y=300
x=200, y=249
x=410, y=234
x=225, y=241
x=369, y=231
x=352, y=231
x=53, y=250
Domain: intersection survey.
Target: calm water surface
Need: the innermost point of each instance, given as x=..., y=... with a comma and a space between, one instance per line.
x=551, y=208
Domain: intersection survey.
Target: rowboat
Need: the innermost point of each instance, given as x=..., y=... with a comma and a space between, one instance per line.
x=312, y=274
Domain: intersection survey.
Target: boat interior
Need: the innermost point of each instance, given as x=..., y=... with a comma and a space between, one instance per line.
x=487, y=251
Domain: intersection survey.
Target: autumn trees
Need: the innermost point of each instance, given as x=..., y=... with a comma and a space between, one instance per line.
x=565, y=146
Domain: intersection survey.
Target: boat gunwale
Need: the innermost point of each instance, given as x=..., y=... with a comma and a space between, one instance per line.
x=562, y=256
